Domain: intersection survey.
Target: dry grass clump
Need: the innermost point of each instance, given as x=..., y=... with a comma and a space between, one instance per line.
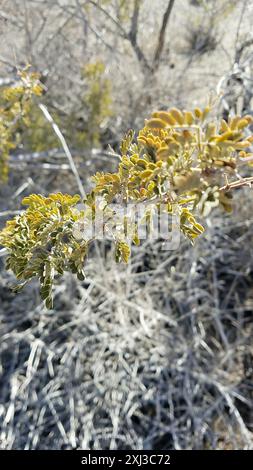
x=155, y=355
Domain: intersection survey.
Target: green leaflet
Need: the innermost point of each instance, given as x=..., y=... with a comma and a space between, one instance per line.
x=122, y=251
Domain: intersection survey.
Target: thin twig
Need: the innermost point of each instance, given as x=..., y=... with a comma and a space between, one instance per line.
x=65, y=148
x=237, y=184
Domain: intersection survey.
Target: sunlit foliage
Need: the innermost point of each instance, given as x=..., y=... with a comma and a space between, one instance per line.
x=15, y=104
x=181, y=161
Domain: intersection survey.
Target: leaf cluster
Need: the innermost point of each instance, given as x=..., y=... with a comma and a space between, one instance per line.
x=15, y=103
x=41, y=241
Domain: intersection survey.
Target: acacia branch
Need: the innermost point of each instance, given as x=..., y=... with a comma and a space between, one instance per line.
x=237, y=184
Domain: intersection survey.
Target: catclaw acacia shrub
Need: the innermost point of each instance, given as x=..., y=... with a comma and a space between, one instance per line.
x=15, y=104
x=182, y=161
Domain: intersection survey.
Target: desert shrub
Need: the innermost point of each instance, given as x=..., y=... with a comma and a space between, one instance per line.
x=177, y=162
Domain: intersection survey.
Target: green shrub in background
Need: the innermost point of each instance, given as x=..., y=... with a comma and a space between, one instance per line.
x=82, y=126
